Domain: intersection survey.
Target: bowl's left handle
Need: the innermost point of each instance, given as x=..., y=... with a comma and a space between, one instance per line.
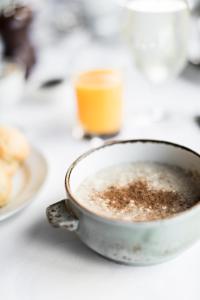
x=59, y=215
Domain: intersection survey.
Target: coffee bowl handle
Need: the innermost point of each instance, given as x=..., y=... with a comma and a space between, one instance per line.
x=59, y=215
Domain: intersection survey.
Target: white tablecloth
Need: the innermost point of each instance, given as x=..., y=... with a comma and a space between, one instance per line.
x=39, y=262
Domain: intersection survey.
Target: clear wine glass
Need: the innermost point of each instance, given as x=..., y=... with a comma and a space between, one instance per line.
x=157, y=36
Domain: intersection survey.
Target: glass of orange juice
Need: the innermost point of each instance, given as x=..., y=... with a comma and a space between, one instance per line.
x=99, y=102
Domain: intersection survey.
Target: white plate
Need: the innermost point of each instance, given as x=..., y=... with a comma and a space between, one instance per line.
x=26, y=183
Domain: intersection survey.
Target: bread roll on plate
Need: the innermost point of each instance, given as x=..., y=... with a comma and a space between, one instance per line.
x=5, y=187
x=14, y=149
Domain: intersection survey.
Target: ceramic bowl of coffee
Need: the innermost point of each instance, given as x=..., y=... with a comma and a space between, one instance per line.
x=135, y=202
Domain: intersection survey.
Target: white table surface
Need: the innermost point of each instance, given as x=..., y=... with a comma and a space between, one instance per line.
x=39, y=262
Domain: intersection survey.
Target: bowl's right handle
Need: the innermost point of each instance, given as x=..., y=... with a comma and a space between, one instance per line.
x=59, y=215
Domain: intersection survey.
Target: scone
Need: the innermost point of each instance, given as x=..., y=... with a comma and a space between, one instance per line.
x=10, y=167
x=5, y=187
x=14, y=148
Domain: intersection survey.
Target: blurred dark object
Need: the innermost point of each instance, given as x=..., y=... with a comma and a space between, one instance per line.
x=15, y=23
x=197, y=120
x=52, y=83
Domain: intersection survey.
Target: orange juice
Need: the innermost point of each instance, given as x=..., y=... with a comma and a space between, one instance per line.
x=99, y=99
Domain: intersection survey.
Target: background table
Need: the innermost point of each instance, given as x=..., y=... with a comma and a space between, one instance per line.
x=39, y=262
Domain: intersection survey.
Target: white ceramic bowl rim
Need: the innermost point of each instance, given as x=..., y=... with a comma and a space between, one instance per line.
x=178, y=217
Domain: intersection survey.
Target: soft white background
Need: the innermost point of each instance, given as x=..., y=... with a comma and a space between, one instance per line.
x=38, y=262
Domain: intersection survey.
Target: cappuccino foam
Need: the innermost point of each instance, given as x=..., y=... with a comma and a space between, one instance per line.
x=141, y=191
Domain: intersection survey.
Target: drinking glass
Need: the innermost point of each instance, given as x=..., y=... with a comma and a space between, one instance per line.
x=99, y=103
x=157, y=36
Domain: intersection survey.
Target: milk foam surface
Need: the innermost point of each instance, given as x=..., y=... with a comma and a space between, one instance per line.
x=158, y=176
